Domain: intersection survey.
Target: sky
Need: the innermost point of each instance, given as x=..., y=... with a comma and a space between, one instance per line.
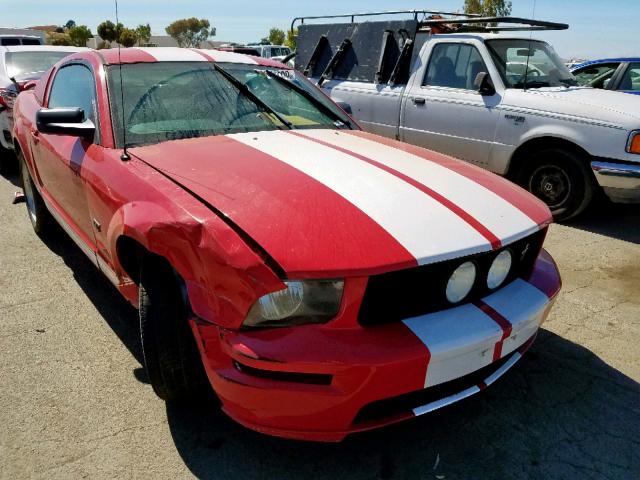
x=598, y=28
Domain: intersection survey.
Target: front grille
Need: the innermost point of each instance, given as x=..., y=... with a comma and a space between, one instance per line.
x=390, y=407
x=394, y=296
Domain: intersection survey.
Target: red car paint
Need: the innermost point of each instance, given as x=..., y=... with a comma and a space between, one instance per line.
x=228, y=225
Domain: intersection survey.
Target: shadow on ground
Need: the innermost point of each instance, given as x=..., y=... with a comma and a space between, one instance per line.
x=10, y=171
x=621, y=221
x=561, y=413
x=114, y=309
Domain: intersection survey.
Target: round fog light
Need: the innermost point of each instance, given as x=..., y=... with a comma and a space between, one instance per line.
x=499, y=270
x=461, y=282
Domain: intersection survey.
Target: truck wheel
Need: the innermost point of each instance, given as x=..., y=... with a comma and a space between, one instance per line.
x=40, y=217
x=169, y=348
x=560, y=179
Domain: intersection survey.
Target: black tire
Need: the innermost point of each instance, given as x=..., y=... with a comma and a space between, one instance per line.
x=559, y=178
x=169, y=348
x=40, y=217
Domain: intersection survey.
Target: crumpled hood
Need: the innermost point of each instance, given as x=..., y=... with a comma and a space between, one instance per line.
x=333, y=203
x=618, y=109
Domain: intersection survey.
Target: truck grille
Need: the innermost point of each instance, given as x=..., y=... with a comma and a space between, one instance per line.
x=395, y=296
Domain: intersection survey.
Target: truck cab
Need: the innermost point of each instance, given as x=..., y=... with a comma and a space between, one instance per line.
x=471, y=89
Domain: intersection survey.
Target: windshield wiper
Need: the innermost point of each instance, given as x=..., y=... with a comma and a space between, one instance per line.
x=246, y=91
x=308, y=95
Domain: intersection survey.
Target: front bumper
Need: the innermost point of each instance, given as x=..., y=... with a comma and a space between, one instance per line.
x=322, y=382
x=620, y=181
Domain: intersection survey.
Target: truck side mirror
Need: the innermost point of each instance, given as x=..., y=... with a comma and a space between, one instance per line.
x=345, y=106
x=484, y=84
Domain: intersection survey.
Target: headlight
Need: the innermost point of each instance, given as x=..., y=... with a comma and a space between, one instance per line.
x=302, y=302
x=499, y=269
x=461, y=282
x=633, y=144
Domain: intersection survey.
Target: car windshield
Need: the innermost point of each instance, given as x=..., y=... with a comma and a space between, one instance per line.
x=529, y=64
x=174, y=100
x=31, y=65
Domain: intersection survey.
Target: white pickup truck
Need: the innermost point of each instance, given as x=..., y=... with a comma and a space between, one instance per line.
x=476, y=92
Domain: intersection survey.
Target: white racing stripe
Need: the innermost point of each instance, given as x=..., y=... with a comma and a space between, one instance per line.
x=231, y=57
x=525, y=314
x=173, y=54
x=503, y=219
x=422, y=225
x=460, y=340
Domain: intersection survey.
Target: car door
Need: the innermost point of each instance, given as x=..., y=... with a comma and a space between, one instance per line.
x=629, y=79
x=442, y=108
x=60, y=158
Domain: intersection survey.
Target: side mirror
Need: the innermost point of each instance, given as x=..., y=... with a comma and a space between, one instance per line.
x=65, y=121
x=484, y=84
x=346, y=107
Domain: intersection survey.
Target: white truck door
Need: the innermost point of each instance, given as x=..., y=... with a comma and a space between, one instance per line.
x=442, y=109
x=375, y=107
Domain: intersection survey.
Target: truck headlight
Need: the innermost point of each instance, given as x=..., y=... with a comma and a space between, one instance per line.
x=633, y=144
x=302, y=302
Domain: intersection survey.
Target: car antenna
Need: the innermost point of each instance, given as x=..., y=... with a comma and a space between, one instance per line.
x=526, y=68
x=125, y=156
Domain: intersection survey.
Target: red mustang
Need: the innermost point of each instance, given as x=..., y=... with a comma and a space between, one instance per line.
x=328, y=280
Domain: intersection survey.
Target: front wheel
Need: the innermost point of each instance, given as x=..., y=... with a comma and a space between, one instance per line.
x=40, y=217
x=560, y=179
x=170, y=352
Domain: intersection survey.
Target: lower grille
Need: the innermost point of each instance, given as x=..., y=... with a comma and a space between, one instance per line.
x=395, y=296
x=390, y=407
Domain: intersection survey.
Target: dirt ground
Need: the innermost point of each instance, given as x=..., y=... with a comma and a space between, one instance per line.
x=75, y=402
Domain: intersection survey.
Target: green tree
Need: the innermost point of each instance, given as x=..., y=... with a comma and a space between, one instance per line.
x=108, y=31
x=488, y=8
x=190, y=32
x=57, y=38
x=70, y=24
x=144, y=33
x=292, y=39
x=128, y=37
x=79, y=35
x=276, y=36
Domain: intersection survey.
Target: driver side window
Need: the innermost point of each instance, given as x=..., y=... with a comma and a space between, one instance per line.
x=73, y=86
x=454, y=65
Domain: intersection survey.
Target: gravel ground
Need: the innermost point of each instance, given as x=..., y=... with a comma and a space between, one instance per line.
x=75, y=401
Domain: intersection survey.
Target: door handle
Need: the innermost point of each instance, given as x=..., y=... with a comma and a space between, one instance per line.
x=419, y=100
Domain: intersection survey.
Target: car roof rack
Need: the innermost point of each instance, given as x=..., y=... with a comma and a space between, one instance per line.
x=491, y=24
x=465, y=22
x=352, y=16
